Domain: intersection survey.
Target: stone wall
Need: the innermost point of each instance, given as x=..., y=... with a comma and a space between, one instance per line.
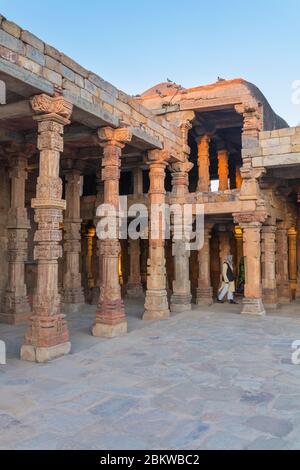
x=25, y=50
x=276, y=148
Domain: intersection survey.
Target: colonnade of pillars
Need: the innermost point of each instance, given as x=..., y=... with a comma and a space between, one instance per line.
x=47, y=334
x=223, y=167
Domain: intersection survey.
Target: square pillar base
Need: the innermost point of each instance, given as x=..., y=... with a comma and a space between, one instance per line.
x=14, y=318
x=204, y=296
x=253, y=307
x=134, y=291
x=102, y=330
x=270, y=298
x=42, y=355
x=180, y=303
x=72, y=308
x=156, y=305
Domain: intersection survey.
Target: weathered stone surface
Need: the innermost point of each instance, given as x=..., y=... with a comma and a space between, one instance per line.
x=31, y=39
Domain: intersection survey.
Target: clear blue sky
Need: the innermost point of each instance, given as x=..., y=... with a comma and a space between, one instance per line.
x=135, y=44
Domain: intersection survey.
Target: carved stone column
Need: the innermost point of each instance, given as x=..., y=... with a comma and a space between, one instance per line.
x=156, y=303
x=90, y=235
x=270, y=297
x=238, y=235
x=47, y=336
x=203, y=164
x=205, y=290
x=16, y=308
x=134, y=287
x=110, y=318
x=251, y=223
x=181, y=297
x=73, y=291
x=224, y=245
x=223, y=170
x=238, y=178
x=252, y=302
x=292, y=237
x=138, y=181
x=283, y=281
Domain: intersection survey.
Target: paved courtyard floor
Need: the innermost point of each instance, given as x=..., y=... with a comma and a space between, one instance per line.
x=208, y=379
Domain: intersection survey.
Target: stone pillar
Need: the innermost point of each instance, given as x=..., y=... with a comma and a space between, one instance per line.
x=16, y=308
x=224, y=245
x=110, y=318
x=268, y=245
x=203, y=164
x=283, y=281
x=238, y=235
x=181, y=297
x=138, y=181
x=292, y=236
x=252, y=302
x=156, y=303
x=238, y=178
x=134, y=287
x=205, y=290
x=223, y=170
x=47, y=336
x=90, y=235
x=73, y=291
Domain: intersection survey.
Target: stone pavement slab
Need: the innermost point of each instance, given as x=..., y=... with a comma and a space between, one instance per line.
x=207, y=379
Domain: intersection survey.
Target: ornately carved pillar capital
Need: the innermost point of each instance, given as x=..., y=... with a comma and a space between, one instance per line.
x=51, y=108
x=180, y=177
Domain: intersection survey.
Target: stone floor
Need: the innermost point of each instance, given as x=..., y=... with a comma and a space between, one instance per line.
x=209, y=379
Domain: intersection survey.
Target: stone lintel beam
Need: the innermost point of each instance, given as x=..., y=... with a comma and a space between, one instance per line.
x=19, y=109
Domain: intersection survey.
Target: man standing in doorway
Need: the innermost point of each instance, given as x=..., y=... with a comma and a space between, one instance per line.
x=228, y=281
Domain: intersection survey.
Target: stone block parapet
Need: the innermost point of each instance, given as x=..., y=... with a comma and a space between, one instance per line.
x=22, y=51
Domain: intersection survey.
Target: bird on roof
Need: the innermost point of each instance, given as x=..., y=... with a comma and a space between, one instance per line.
x=221, y=79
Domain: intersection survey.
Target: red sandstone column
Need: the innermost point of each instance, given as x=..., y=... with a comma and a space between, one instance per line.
x=203, y=164
x=238, y=178
x=110, y=318
x=181, y=297
x=283, y=282
x=204, y=290
x=16, y=308
x=223, y=170
x=270, y=297
x=238, y=235
x=156, y=303
x=252, y=302
x=47, y=336
x=73, y=291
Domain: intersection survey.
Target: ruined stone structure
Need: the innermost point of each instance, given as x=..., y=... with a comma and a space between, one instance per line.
x=70, y=141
